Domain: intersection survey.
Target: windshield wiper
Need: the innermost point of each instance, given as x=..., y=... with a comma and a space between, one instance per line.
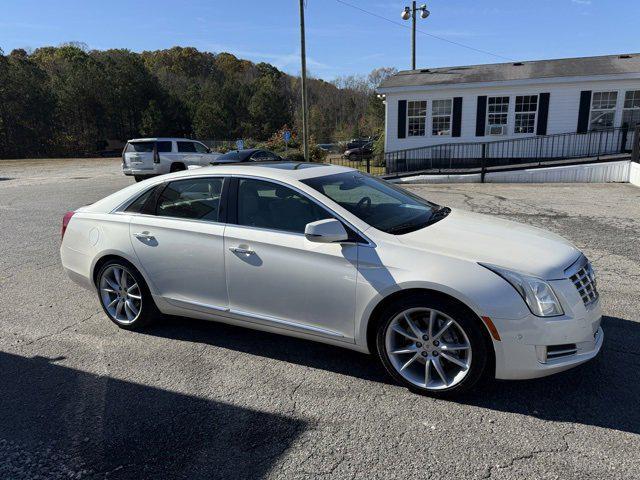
x=439, y=214
x=407, y=227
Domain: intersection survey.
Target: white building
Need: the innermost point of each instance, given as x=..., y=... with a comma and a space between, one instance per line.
x=483, y=103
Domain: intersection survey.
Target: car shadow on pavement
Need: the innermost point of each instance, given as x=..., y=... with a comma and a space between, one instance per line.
x=604, y=392
x=58, y=422
x=271, y=345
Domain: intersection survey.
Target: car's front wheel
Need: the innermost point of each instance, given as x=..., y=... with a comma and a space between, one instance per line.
x=432, y=345
x=124, y=296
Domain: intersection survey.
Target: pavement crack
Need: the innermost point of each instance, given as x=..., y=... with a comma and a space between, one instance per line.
x=528, y=456
x=62, y=330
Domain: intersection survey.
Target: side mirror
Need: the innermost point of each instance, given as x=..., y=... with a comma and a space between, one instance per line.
x=326, y=231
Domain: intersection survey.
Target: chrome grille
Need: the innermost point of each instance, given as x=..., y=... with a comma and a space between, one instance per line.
x=585, y=282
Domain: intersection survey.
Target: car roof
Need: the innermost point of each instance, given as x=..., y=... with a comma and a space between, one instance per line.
x=163, y=139
x=272, y=170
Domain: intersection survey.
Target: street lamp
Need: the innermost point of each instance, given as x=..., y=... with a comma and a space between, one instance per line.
x=410, y=12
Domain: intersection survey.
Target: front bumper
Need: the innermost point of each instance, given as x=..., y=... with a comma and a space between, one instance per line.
x=533, y=347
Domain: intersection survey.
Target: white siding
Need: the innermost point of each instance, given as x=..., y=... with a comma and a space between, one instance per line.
x=618, y=172
x=563, y=109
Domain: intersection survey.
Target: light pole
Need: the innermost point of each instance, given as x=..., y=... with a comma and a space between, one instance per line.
x=305, y=120
x=410, y=13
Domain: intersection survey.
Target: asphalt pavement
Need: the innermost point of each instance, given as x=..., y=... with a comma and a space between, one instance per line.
x=80, y=398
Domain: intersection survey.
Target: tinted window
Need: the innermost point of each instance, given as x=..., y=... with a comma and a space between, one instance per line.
x=197, y=199
x=186, y=147
x=139, y=147
x=138, y=204
x=269, y=156
x=376, y=202
x=234, y=155
x=200, y=148
x=258, y=156
x=269, y=205
x=164, y=147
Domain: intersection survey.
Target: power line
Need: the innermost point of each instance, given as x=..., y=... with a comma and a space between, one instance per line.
x=423, y=32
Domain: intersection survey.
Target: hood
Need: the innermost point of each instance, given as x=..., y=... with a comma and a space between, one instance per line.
x=487, y=239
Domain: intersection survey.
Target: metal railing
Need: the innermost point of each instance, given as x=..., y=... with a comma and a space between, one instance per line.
x=514, y=153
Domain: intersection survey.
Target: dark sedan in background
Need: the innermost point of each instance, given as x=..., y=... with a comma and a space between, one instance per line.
x=247, y=155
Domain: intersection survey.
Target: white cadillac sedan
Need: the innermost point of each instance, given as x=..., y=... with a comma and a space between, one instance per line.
x=443, y=297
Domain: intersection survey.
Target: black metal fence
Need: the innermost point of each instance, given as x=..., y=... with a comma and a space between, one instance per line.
x=515, y=153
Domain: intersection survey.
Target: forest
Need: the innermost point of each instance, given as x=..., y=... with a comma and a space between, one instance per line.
x=69, y=100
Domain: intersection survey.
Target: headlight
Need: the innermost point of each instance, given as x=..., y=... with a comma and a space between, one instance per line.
x=537, y=294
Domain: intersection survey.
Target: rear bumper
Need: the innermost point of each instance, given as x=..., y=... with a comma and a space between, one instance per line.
x=142, y=172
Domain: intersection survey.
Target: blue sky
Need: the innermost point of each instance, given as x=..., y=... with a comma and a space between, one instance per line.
x=341, y=40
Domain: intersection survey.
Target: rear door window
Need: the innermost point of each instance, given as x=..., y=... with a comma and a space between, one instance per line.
x=186, y=147
x=139, y=147
x=142, y=204
x=164, y=147
x=195, y=199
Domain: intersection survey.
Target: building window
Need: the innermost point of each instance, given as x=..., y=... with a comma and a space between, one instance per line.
x=417, y=118
x=497, y=113
x=631, y=111
x=526, y=109
x=603, y=110
x=441, y=117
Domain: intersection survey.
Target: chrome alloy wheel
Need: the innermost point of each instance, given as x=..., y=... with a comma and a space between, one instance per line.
x=428, y=348
x=120, y=294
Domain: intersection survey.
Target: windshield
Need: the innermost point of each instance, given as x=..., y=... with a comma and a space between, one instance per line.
x=238, y=156
x=378, y=203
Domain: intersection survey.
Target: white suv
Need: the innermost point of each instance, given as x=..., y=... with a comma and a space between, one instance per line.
x=146, y=157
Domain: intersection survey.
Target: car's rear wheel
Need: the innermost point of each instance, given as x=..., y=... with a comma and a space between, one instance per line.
x=124, y=296
x=138, y=178
x=432, y=345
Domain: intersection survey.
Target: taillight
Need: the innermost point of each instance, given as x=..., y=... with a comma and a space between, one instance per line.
x=65, y=223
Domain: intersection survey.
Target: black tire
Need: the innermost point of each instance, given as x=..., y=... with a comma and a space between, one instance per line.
x=468, y=322
x=138, y=178
x=147, y=312
x=177, y=167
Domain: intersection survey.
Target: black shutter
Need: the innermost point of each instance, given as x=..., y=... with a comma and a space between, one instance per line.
x=543, y=113
x=456, y=128
x=583, y=115
x=481, y=116
x=402, y=118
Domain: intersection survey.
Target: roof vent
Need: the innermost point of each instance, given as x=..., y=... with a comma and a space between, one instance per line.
x=624, y=56
x=425, y=70
x=518, y=64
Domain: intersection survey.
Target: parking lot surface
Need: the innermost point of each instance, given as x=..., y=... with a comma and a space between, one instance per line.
x=80, y=398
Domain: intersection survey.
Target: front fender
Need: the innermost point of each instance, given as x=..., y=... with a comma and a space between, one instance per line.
x=484, y=292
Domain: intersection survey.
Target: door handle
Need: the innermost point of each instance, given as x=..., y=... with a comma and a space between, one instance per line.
x=143, y=236
x=242, y=251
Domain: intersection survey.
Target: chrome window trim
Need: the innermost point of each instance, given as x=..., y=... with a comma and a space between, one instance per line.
x=369, y=243
x=120, y=209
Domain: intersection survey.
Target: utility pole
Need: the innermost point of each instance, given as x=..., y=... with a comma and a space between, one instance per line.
x=413, y=36
x=305, y=120
x=410, y=12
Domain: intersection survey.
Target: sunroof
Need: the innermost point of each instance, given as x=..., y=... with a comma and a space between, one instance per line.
x=289, y=165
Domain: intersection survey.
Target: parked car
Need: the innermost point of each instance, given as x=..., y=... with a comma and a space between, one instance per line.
x=147, y=157
x=247, y=155
x=442, y=296
x=359, y=153
x=329, y=147
x=357, y=143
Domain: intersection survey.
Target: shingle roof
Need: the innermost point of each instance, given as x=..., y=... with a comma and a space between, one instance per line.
x=496, y=72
